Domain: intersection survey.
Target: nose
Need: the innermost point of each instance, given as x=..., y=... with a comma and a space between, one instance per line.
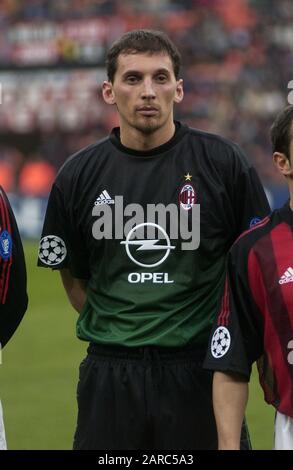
x=148, y=91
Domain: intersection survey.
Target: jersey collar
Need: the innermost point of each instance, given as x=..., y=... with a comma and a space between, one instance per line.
x=180, y=131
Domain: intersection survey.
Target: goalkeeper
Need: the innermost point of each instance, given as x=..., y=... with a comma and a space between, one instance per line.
x=146, y=301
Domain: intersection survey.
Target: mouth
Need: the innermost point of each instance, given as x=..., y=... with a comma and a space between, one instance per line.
x=148, y=111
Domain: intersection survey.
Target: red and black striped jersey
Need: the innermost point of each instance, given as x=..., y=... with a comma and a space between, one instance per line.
x=255, y=315
x=13, y=295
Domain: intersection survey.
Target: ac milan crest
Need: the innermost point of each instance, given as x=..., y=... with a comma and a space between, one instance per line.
x=187, y=197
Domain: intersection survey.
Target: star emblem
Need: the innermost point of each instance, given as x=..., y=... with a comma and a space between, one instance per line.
x=188, y=177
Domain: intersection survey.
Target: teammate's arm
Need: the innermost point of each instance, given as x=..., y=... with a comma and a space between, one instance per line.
x=230, y=395
x=75, y=289
x=13, y=292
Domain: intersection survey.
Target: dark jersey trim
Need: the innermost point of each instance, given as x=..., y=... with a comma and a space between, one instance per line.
x=262, y=223
x=225, y=307
x=286, y=214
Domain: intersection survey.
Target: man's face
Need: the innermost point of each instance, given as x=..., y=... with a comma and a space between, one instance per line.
x=144, y=91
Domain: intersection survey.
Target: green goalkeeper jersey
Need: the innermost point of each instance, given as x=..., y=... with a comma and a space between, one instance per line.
x=149, y=231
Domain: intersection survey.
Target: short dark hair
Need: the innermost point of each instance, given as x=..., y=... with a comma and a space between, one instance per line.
x=142, y=41
x=282, y=131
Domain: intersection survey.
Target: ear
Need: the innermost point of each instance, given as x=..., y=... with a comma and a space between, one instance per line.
x=179, y=93
x=108, y=92
x=282, y=163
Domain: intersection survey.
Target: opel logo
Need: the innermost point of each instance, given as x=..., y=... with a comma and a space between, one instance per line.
x=148, y=245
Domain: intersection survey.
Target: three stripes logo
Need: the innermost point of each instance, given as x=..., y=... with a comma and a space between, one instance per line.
x=287, y=276
x=104, y=198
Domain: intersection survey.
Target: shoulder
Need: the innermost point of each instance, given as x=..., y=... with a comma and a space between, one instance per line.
x=213, y=140
x=5, y=207
x=248, y=239
x=81, y=160
x=218, y=148
x=3, y=195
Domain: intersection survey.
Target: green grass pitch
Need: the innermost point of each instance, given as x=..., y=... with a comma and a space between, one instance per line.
x=39, y=370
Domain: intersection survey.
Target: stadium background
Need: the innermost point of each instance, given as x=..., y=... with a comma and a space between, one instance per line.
x=237, y=64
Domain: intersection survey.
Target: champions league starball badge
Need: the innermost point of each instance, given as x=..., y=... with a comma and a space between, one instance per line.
x=220, y=343
x=52, y=250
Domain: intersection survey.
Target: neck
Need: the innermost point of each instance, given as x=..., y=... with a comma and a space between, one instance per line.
x=137, y=140
x=290, y=187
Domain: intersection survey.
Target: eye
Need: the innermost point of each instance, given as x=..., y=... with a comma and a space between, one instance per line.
x=161, y=78
x=132, y=79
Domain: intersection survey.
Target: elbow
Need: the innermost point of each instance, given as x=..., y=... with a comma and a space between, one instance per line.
x=77, y=302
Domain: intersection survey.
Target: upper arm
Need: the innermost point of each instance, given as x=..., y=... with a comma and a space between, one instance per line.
x=236, y=339
x=13, y=293
x=250, y=201
x=75, y=289
x=62, y=243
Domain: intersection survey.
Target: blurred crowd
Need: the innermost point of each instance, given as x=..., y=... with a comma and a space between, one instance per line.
x=237, y=63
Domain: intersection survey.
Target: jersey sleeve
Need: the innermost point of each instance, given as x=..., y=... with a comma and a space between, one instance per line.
x=250, y=201
x=13, y=288
x=61, y=245
x=236, y=339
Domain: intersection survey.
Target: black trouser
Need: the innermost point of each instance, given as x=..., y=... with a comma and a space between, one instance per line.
x=145, y=398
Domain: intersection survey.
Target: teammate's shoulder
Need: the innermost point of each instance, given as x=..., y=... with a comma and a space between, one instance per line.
x=4, y=198
x=258, y=230
x=2, y=193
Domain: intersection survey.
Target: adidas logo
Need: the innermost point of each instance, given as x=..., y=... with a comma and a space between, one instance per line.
x=287, y=276
x=104, y=198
